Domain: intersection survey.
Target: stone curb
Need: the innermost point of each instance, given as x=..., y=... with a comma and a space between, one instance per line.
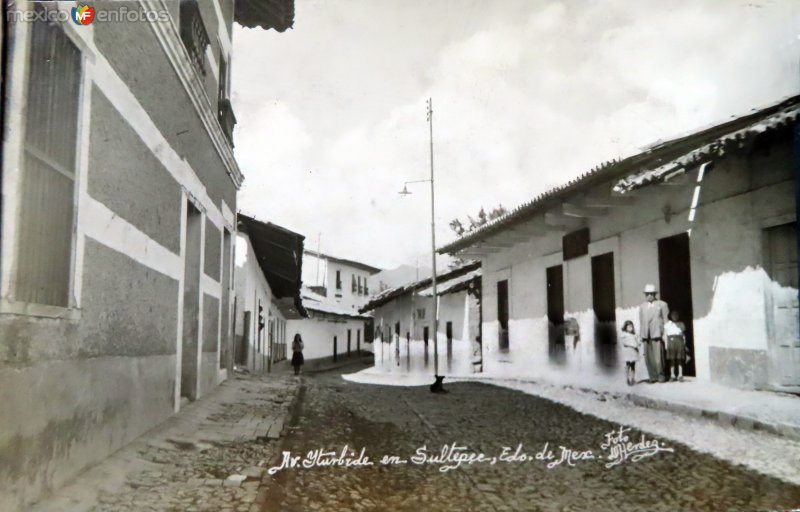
x=739, y=421
x=337, y=365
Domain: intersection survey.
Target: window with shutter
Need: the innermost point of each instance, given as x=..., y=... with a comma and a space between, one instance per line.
x=193, y=34
x=47, y=199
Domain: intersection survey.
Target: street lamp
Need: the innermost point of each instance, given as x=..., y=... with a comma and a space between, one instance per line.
x=437, y=386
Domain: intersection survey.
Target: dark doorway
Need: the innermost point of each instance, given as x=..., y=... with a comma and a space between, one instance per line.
x=369, y=331
x=244, y=342
x=191, y=303
x=425, y=337
x=349, y=337
x=555, y=313
x=675, y=285
x=604, y=305
x=449, y=331
x=358, y=342
x=334, y=349
x=502, y=313
x=225, y=359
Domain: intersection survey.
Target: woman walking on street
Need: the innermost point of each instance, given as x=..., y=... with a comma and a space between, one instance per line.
x=297, y=353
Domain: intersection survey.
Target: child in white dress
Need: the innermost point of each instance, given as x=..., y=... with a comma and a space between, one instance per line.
x=630, y=348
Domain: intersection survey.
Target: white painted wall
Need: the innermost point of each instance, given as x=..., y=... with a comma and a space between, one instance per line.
x=407, y=355
x=730, y=290
x=318, y=332
x=250, y=287
x=345, y=296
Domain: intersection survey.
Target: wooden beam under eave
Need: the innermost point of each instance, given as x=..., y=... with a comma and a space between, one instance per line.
x=575, y=210
x=472, y=249
x=678, y=181
x=490, y=249
x=610, y=200
x=473, y=254
x=530, y=230
x=509, y=237
x=559, y=220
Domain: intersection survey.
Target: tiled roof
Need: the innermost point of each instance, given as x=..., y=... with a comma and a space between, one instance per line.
x=267, y=14
x=392, y=293
x=660, y=161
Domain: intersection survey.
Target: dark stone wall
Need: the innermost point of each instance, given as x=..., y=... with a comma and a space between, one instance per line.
x=210, y=323
x=135, y=54
x=212, y=256
x=128, y=309
x=126, y=176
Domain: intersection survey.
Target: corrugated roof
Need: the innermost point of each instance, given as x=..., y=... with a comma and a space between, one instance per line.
x=660, y=160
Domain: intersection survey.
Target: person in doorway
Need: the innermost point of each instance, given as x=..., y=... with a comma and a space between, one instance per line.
x=297, y=353
x=674, y=330
x=630, y=348
x=653, y=314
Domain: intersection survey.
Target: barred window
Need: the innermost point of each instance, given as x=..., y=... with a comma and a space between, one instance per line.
x=47, y=199
x=193, y=34
x=225, y=116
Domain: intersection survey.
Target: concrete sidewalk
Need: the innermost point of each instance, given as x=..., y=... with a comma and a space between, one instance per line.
x=774, y=412
x=209, y=456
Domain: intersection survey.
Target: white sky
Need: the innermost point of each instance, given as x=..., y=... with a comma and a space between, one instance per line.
x=526, y=95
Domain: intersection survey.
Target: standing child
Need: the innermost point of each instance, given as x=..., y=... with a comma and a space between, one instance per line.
x=674, y=329
x=630, y=346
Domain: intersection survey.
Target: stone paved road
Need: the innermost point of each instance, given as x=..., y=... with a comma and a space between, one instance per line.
x=208, y=458
x=386, y=421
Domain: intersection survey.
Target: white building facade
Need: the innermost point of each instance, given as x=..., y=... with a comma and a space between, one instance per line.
x=710, y=219
x=267, y=293
x=403, y=319
x=331, y=332
x=341, y=281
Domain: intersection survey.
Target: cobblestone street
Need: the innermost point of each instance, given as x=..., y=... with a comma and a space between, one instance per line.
x=210, y=457
x=395, y=421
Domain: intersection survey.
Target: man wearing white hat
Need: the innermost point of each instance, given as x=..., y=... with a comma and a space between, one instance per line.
x=653, y=314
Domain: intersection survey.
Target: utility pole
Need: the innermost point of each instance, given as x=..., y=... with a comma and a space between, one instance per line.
x=319, y=256
x=437, y=385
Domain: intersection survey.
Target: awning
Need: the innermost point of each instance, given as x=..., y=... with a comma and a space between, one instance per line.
x=266, y=14
x=279, y=253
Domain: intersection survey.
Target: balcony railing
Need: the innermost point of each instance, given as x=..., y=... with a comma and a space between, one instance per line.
x=226, y=118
